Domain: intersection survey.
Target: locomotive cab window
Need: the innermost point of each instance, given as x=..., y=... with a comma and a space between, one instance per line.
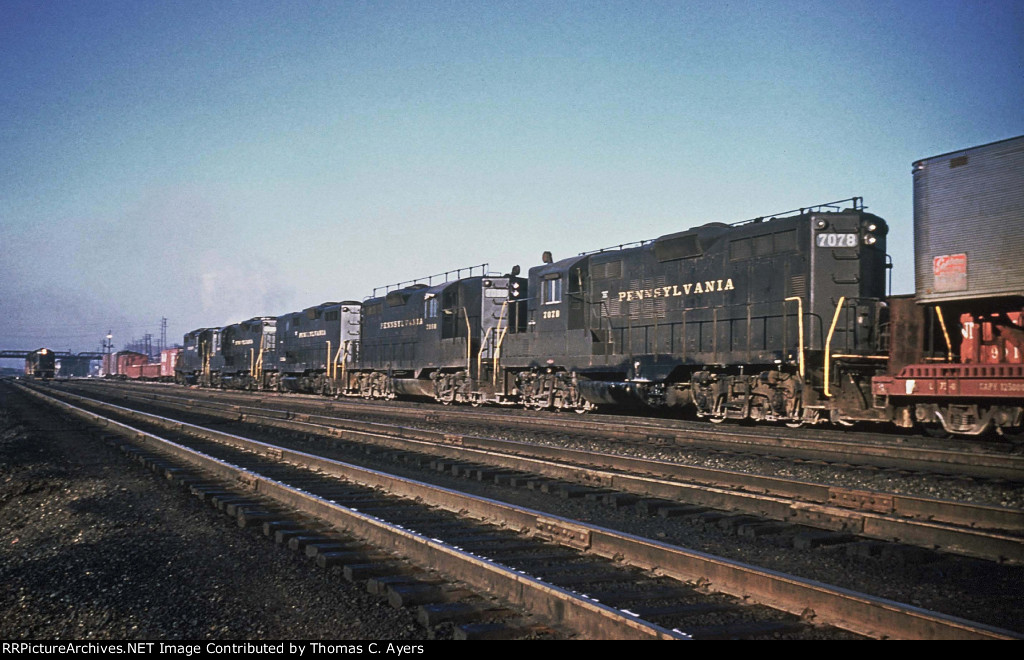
x=551, y=290
x=430, y=308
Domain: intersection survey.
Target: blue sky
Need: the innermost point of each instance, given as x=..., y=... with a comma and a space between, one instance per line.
x=213, y=161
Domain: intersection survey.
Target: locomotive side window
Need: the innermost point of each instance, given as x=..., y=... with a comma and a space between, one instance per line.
x=551, y=291
x=430, y=308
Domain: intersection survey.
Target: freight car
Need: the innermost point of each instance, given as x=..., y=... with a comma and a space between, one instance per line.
x=41, y=363
x=168, y=360
x=961, y=367
x=142, y=371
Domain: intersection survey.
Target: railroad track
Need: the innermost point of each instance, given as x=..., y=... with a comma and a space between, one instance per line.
x=962, y=458
x=755, y=504
x=634, y=570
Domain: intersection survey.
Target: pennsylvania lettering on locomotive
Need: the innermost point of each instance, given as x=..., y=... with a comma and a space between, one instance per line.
x=707, y=286
x=400, y=324
x=313, y=333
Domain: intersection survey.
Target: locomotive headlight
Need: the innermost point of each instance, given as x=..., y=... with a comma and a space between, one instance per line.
x=869, y=239
x=872, y=227
x=821, y=223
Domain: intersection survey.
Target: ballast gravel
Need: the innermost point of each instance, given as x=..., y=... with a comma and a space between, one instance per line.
x=93, y=548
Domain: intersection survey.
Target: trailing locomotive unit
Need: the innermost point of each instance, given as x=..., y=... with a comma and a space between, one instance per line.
x=442, y=341
x=961, y=364
x=248, y=349
x=200, y=361
x=316, y=348
x=770, y=319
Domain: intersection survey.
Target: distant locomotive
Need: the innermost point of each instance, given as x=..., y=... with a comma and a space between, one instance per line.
x=41, y=363
x=782, y=318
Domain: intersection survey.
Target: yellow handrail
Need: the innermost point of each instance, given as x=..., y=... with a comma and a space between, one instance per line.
x=469, y=344
x=800, y=322
x=945, y=333
x=480, y=353
x=497, y=347
x=828, y=344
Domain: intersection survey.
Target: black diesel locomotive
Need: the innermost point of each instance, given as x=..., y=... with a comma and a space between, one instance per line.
x=731, y=321
x=782, y=318
x=707, y=319
x=41, y=363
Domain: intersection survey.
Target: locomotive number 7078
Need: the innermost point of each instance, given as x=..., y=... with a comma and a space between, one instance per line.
x=837, y=240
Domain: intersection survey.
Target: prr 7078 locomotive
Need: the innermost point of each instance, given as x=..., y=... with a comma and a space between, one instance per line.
x=782, y=318
x=733, y=321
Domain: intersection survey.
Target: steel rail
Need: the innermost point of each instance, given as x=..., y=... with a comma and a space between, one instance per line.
x=895, y=454
x=579, y=613
x=979, y=531
x=841, y=608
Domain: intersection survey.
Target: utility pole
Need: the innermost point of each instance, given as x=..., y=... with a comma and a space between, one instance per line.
x=163, y=334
